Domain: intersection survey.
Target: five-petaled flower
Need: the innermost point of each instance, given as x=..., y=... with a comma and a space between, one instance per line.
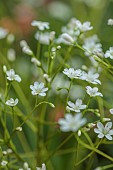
x=38, y=89
x=77, y=106
x=104, y=131
x=93, y=92
x=109, y=53
x=72, y=73
x=11, y=102
x=71, y=122
x=12, y=76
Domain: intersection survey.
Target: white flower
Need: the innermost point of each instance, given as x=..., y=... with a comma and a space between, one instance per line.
x=67, y=38
x=83, y=27
x=19, y=128
x=12, y=76
x=71, y=73
x=4, y=163
x=11, y=54
x=27, y=50
x=11, y=102
x=111, y=111
x=38, y=89
x=71, y=122
x=35, y=61
x=25, y=167
x=42, y=168
x=77, y=106
x=45, y=38
x=104, y=131
x=93, y=91
x=41, y=25
x=91, y=77
x=92, y=45
x=3, y=33
x=109, y=53
x=110, y=21
x=98, y=168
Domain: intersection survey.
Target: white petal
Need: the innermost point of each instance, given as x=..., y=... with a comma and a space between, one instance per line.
x=96, y=130
x=101, y=135
x=108, y=136
x=100, y=126
x=108, y=125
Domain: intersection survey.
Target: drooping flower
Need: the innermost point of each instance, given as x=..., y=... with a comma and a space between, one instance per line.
x=42, y=168
x=77, y=106
x=40, y=25
x=71, y=122
x=11, y=102
x=104, y=131
x=12, y=76
x=93, y=92
x=38, y=89
x=67, y=38
x=109, y=53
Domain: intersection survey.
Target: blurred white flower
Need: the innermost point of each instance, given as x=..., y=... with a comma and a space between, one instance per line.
x=11, y=102
x=25, y=48
x=111, y=111
x=104, y=131
x=10, y=38
x=38, y=89
x=67, y=38
x=11, y=54
x=42, y=168
x=109, y=53
x=83, y=27
x=25, y=166
x=45, y=38
x=19, y=129
x=40, y=25
x=71, y=122
x=4, y=68
x=77, y=106
x=110, y=21
x=91, y=77
x=3, y=33
x=4, y=163
x=72, y=73
x=93, y=91
x=35, y=61
x=12, y=76
x=92, y=45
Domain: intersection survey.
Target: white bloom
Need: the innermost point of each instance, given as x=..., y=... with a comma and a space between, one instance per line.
x=41, y=25
x=71, y=73
x=4, y=68
x=42, y=168
x=110, y=21
x=91, y=77
x=93, y=91
x=38, y=89
x=27, y=50
x=83, y=27
x=111, y=111
x=109, y=53
x=3, y=33
x=19, y=129
x=92, y=45
x=45, y=38
x=4, y=163
x=12, y=102
x=67, y=38
x=10, y=38
x=35, y=61
x=12, y=76
x=71, y=122
x=77, y=106
x=11, y=54
x=98, y=168
x=104, y=131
